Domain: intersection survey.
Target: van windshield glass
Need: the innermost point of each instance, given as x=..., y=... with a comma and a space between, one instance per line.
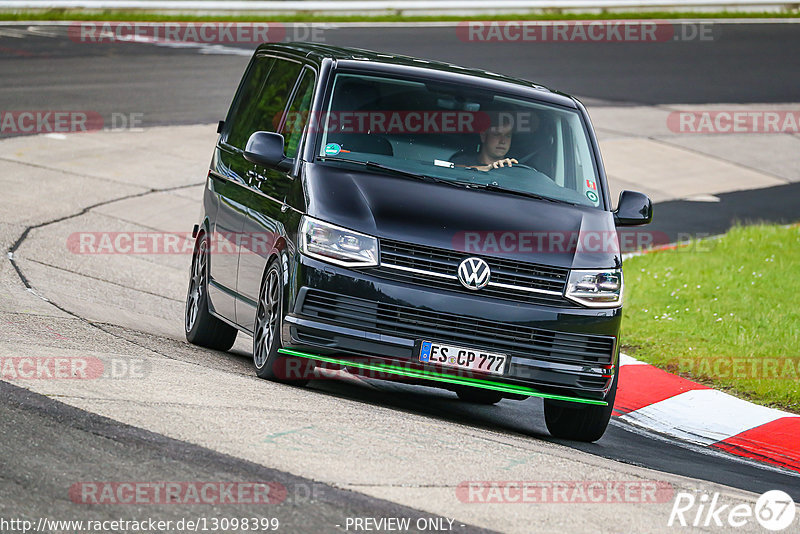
x=459, y=133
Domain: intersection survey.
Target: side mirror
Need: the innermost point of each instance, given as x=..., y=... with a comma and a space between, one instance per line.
x=633, y=209
x=266, y=148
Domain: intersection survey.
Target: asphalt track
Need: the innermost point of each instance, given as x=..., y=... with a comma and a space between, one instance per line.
x=44, y=70
x=61, y=432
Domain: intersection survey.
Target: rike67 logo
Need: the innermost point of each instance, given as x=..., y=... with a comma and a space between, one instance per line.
x=774, y=511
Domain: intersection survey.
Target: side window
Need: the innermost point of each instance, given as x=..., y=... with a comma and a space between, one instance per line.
x=297, y=115
x=269, y=83
x=251, y=88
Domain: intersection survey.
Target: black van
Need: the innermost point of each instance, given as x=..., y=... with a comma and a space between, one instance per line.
x=414, y=220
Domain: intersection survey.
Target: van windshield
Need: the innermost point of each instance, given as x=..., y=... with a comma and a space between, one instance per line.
x=458, y=133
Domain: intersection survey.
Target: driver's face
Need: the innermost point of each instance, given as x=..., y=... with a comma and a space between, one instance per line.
x=496, y=141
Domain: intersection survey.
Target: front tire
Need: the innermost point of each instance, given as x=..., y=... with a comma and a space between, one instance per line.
x=586, y=423
x=269, y=363
x=200, y=326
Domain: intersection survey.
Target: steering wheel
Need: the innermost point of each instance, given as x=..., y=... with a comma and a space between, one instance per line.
x=523, y=166
x=515, y=166
x=530, y=155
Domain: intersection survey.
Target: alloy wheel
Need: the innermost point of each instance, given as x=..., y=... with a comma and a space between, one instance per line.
x=197, y=285
x=267, y=318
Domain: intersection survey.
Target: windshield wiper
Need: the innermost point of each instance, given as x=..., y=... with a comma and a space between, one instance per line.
x=399, y=172
x=494, y=186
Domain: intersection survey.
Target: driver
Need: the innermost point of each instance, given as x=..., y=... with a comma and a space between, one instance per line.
x=495, y=143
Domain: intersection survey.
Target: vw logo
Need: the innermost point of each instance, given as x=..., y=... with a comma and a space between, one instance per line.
x=474, y=273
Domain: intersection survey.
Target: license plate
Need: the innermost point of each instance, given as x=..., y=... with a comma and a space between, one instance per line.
x=462, y=357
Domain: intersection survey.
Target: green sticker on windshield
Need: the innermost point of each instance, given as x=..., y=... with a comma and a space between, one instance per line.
x=592, y=196
x=331, y=149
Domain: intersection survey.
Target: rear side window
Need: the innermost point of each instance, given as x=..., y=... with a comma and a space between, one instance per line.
x=263, y=99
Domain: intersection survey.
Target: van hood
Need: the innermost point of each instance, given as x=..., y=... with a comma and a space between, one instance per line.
x=476, y=222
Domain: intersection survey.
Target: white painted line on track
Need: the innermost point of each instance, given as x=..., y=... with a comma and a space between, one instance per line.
x=624, y=359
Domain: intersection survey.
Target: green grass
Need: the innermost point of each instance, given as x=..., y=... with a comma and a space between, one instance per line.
x=724, y=312
x=112, y=15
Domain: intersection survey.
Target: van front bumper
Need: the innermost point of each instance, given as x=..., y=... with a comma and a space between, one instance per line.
x=349, y=315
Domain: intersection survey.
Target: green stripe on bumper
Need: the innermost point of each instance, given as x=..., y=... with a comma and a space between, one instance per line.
x=442, y=377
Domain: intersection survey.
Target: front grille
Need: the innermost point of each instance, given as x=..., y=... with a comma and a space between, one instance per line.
x=437, y=268
x=415, y=323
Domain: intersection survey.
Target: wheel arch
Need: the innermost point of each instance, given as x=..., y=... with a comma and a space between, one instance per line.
x=283, y=253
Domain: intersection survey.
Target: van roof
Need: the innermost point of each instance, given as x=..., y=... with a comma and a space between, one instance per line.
x=318, y=52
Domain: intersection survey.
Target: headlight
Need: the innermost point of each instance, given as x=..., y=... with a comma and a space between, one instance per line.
x=338, y=245
x=596, y=289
